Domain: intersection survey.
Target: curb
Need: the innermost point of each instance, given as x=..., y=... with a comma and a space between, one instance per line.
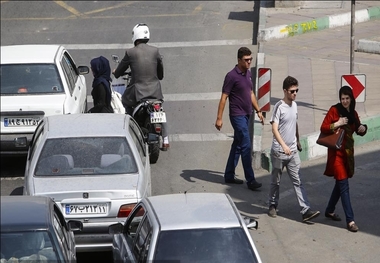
x=312, y=150
x=368, y=46
x=318, y=24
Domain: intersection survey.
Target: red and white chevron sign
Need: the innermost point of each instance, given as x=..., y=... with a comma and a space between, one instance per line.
x=263, y=94
x=357, y=84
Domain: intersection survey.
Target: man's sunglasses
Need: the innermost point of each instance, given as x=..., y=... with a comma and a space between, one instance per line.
x=292, y=91
x=247, y=59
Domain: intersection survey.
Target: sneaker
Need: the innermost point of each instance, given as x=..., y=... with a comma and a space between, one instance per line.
x=310, y=215
x=254, y=185
x=272, y=211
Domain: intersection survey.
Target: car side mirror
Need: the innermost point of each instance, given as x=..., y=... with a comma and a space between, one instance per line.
x=251, y=222
x=152, y=138
x=75, y=225
x=115, y=228
x=21, y=142
x=83, y=70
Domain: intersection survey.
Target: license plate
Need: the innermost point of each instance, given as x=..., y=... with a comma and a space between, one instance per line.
x=86, y=209
x=14, y=122
x=157, y=117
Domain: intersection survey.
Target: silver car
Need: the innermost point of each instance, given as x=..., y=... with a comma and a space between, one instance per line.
x=94, y=166
x=186, y=228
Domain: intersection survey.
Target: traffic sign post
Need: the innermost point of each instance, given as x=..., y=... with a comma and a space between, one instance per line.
x=263, y=97
x=357, y=83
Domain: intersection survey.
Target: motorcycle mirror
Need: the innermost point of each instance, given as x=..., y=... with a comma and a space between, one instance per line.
x=115, y=58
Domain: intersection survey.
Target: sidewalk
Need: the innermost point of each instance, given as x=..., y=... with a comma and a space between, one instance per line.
x=318, y=58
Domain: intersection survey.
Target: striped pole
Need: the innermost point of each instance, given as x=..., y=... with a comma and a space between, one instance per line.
x=263, y=96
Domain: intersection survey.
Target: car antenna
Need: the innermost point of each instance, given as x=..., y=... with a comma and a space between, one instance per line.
x=188, y=190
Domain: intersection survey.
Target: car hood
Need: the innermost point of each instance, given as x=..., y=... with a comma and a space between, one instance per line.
x=124, y=186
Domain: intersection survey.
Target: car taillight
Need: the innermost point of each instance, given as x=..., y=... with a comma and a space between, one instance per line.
x=125, y=210
x=158, y=129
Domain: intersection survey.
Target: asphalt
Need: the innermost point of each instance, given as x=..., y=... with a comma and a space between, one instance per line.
x=313, y=45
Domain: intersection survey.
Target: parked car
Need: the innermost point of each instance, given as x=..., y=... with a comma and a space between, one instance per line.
x=33, y=229
x=186, y=228
x=96, y=168
x=37, y=81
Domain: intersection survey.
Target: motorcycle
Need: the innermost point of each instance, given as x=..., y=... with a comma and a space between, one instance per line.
x=148, y=113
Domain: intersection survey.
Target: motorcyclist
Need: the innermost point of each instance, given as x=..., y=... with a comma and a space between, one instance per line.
x=147, y=70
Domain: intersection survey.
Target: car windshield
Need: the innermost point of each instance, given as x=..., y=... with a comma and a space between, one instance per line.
x=92, y=155
x=204, y=245
x=30, y=79
x=27, y=247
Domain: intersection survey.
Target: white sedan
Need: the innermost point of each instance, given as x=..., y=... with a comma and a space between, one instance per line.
x=94, y=166
x=37, y=81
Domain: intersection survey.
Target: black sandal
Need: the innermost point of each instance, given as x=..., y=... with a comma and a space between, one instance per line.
x=334, y=217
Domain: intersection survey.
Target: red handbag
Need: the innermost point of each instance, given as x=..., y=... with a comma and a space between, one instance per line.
x=333, y=140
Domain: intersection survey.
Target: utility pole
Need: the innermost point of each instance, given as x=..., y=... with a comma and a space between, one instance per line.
x=352, y=50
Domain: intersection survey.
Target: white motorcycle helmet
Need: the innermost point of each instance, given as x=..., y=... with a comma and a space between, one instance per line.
x=140, y=31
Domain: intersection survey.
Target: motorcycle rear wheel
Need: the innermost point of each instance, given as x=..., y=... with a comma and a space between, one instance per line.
x=154, y=149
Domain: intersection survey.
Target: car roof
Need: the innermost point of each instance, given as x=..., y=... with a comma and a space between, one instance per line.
x=194, y=211
x=25, y=213
x=29, y=54
x=87, y=125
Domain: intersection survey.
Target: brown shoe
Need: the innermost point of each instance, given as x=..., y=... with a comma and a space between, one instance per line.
x=165, y=147
x=352, y=227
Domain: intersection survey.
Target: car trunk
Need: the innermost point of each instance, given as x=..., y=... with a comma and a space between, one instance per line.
x=90, y=195
x=24, y=118
x=59, y=188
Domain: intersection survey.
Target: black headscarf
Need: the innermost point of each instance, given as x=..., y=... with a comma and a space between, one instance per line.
x=102, y=74
x=346, y=90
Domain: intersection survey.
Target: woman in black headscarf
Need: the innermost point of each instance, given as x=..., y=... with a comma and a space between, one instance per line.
x=101, y=90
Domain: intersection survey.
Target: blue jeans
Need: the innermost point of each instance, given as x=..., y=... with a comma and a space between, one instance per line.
x=341, y=190
x=241, y=146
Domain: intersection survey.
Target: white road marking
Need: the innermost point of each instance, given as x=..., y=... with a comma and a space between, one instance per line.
x=11, y=178
x=228, y=42
x=200, y=137
x=183, y=96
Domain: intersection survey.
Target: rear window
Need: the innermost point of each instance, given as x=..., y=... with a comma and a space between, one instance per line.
x=204, y=245
x=93, y=156
x=30, y=79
